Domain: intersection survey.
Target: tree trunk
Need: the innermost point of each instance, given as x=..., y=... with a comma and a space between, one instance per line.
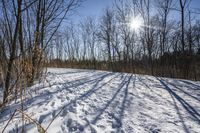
x=12, y=55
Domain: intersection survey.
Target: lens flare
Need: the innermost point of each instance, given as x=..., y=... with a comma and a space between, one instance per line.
x=135, y=23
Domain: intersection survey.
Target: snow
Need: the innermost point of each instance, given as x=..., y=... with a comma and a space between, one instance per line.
x=98, y=101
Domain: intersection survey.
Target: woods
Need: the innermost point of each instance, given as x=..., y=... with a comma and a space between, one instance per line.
x=149, y=51
x=145, y=37
x=26, y=28
x=165, y=44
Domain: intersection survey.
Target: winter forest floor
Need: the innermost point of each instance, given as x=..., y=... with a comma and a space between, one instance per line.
x=98, y=101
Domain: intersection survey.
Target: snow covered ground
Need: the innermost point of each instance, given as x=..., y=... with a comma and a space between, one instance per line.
x=98, y=101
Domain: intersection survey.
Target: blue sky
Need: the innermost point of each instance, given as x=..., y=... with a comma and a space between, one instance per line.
x=94, y=8
x=195, y=4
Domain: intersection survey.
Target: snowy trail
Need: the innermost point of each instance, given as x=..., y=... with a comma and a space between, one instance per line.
x=72, y=100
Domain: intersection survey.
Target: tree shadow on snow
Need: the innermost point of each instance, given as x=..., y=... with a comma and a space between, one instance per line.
x=123, y=88
x=71, y=72
x=182, y=90
x=45, y=97
x=80, y=79
x=123, y=106
x=191, y=85
x=70, y=86
x=175, y=97
x=94, y=88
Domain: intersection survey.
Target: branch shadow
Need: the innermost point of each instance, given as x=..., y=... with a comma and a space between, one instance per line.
x=81, y=79
x=57, y=112
x=150, y=88
x=73, y=72
x=179, y=114
x=75, y=83
x=191, y=85
x=100, y=111
x=191, y=111
x=95, y=87
x=178, y=88
x=46, y=96
x=123, y=105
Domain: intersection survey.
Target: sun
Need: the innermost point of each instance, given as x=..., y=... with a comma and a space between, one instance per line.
x=135, y=23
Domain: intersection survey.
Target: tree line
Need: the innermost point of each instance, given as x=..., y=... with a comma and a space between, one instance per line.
x=37, y=33
x=166, y=44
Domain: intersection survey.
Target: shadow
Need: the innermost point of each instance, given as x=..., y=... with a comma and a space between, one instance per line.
x=22, y=129
x=179, y=114
x=46, y=96
x=102, y=110
x=66, y=73
x=191, y=85
x=121, y=113
x=67, y=83
x=175, y=86
x=135, y=93
x=8, y=110
x=55, y=113
x=125, y=82
x=142, y=82
x=81, y=78
x=95, y=87
x=185, y=104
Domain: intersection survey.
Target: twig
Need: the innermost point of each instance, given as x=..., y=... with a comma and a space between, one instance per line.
x=27, y=117
x=34, y=121
x=9, y=120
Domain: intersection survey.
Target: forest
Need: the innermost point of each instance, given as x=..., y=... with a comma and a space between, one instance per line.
x=151, y=37
x=131, y=36
x=159, y=38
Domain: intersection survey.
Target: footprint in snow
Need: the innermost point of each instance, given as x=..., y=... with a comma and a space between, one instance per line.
x=101, y=126
x=72, y=126
x=62, y=100
x=64, y=112
x=153, y=128
x=52, y=104
x=45, y=109
x=53, y=114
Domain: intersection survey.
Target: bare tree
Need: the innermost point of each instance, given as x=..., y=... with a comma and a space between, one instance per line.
x=124, y=15
x=29, y=34
x=144, y=8
x=182, y=6
x=106, y=33
x=13, y=46
x=90, y=29
x=164, y=9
